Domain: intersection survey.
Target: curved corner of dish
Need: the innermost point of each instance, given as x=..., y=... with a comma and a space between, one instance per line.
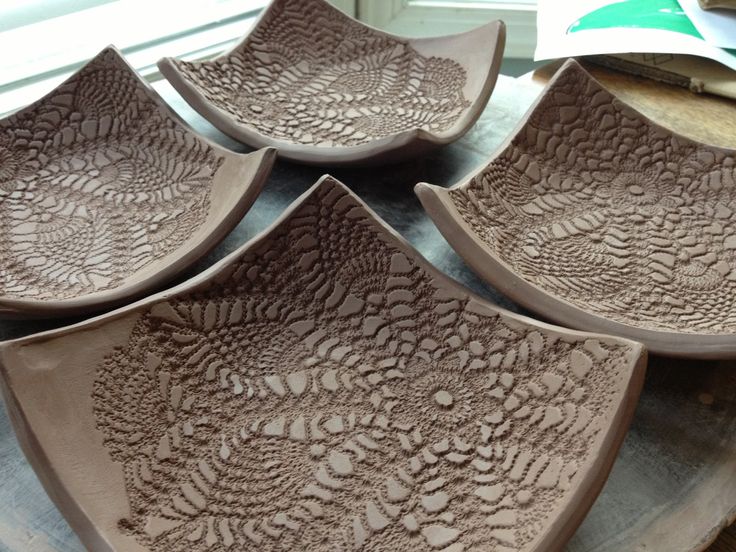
x=253, y=168
x=432, y=198
x=327, y=180
x=501, y=24
x=639, y=358
x=636, y=357
x=496, y=29
x=571, y=64
x=119, y=59
x=492, y=35
x=112, y=48
x=494, y=24
x=499, y=49
x=419, y=134
x=167, y=67
x=265, y=157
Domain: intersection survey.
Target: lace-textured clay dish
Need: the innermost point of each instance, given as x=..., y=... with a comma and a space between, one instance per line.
x=106, y=193
x=326, y=89
x=599, y=219
x=322, y=388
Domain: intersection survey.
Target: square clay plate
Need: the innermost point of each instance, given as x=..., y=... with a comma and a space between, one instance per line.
x=322, y=388
x=326, y=89
x=105, y=193
x=597, y=218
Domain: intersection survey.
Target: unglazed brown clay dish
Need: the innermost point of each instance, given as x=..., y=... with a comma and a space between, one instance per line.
x=322, y=388
x=326, y=89
x=597, y=218
x=105, y=193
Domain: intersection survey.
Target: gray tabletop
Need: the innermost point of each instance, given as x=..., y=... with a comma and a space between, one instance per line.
x=674, y=483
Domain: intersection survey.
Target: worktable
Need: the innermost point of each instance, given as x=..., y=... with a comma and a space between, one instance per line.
x=673, y=486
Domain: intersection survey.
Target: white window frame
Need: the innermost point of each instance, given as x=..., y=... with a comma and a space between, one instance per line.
x=159, y=34
x=434, y=18
x=225, y=26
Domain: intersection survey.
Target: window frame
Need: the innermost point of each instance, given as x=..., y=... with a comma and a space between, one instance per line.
x=188, y=38
x=220, y=32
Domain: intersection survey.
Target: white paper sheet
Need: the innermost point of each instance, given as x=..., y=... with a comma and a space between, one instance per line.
x=556, y=37
x=718, y=27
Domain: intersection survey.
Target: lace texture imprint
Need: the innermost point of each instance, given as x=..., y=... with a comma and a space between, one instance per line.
x=330, y=394
x=95, y=184
x=597, y=206
x=310, y=75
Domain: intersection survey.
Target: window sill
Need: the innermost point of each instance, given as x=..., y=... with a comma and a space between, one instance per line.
x=144, y=39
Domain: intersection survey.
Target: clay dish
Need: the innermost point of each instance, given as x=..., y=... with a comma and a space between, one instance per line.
x=105, y=193
x=326, y=89
x=597, y=218
x=321, y=388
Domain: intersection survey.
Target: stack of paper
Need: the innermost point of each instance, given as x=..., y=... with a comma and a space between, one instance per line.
x=671, y=40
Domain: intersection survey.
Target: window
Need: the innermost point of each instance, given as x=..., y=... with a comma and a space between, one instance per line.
x=43, y=41
x=438, y=17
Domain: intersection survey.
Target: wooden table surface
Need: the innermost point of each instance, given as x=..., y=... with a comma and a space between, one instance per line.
x=702, y=117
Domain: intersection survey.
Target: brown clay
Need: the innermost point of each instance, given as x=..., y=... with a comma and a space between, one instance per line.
x=321, y=388
x=105, y=193
x=326, y=89
x=596, y=217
